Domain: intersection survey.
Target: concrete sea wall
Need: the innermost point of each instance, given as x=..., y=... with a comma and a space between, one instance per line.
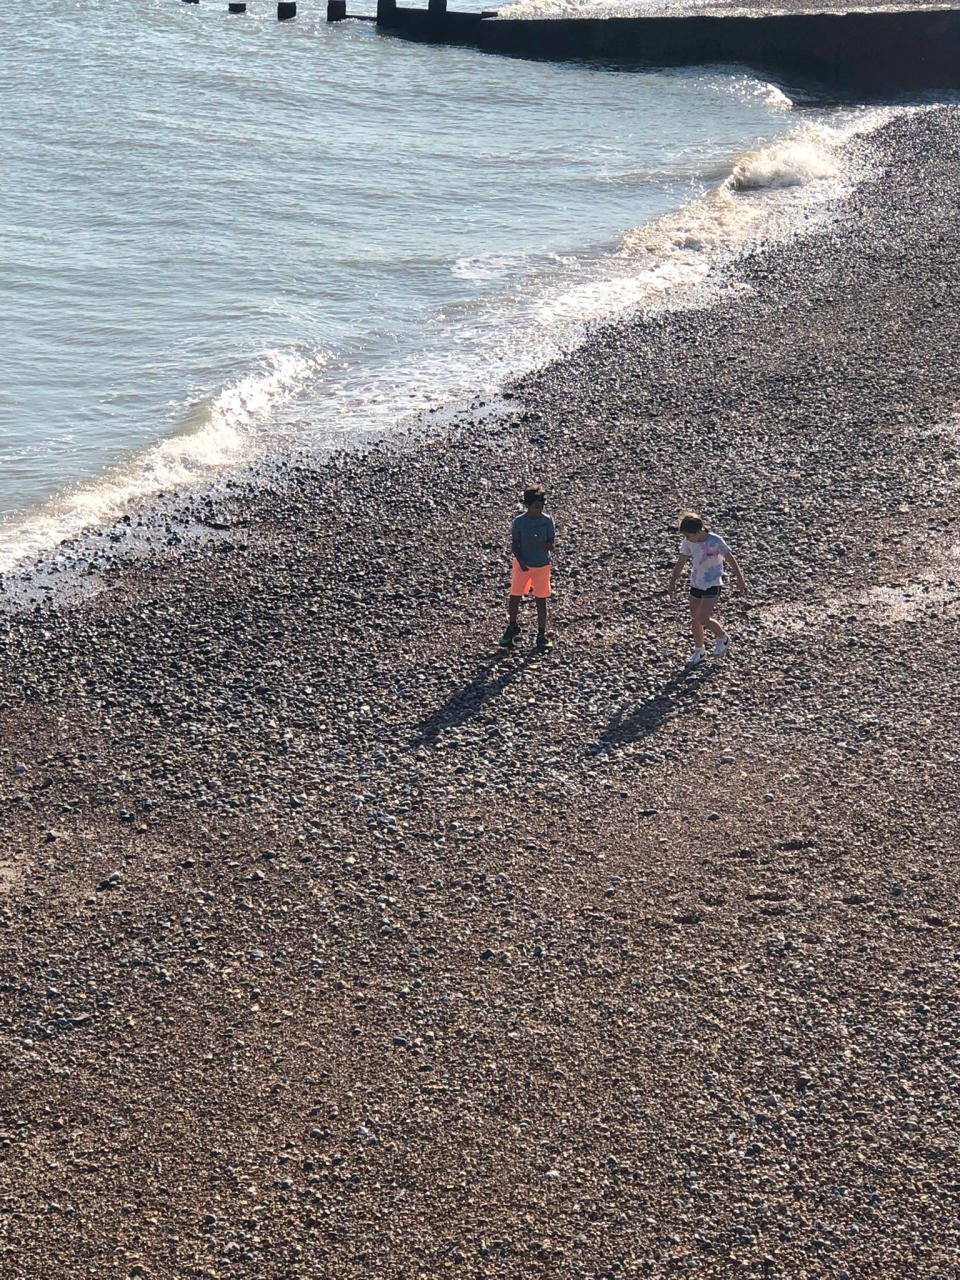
x=885, y=51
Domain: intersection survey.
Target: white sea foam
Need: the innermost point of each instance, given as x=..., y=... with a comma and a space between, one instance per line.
x=483, y=268
x=775, y=96
x=771, y=194
x=213, y=434
x=793, y=163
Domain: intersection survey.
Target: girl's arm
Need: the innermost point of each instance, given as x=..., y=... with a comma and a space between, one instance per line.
x=675, y=575
x=731, y=560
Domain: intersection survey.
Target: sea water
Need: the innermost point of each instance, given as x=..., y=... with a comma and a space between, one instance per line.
x=225, y=236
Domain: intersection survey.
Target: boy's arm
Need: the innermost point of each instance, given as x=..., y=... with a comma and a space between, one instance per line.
x=675, y=575
x=547, y=543
x=515, y=549
x=731, y=560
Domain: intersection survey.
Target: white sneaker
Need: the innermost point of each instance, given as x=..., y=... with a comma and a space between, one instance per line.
x=696, y=657
x=721, y=646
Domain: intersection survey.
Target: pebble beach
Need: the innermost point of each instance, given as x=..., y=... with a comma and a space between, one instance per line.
x=335, y=942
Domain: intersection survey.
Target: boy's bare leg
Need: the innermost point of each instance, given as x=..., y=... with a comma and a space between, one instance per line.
x=542, y=615
x=513, y=610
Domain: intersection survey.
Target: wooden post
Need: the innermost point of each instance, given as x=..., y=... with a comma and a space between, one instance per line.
x=286, y=10
x=191, y=1
x=386, y=10
x=236, y=6
x=437, y=8
x=336, y=10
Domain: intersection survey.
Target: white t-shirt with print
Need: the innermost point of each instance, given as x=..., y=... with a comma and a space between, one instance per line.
x=706, y=560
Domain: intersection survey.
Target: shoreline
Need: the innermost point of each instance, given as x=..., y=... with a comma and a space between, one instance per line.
x=333, y=942
x=684, y=258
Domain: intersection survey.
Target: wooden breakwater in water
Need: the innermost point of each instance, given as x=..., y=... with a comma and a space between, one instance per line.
x=888, y=50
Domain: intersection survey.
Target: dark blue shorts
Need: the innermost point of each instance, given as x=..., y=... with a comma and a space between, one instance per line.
x=704, y=593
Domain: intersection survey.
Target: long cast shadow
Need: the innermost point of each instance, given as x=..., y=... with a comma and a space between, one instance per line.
x=490, y=679
x=646, y=718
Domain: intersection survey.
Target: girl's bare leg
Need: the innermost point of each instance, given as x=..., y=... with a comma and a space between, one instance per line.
x=696, y=622
x=702, y=618
x=710, y=623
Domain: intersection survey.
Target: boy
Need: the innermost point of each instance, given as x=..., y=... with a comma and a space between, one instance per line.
x=531, y=541
x=708, y=556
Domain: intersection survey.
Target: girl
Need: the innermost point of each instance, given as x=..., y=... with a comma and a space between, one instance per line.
x=708, y=556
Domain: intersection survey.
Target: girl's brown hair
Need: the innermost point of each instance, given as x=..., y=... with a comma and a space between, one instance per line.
x=690, y=522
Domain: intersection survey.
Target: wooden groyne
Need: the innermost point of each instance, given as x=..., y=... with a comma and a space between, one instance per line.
x=890, y=50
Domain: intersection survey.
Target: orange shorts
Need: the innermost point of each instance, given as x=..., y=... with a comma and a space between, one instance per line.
x=535, y=578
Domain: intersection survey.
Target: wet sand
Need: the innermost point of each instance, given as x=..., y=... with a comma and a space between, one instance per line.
x=334, y=943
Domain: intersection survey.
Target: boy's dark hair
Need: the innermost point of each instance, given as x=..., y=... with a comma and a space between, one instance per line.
x=534, y=493
x=690, y=522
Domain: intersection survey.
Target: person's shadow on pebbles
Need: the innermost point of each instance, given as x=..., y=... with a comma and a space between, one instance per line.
x=646, y=718
x=490, y=679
